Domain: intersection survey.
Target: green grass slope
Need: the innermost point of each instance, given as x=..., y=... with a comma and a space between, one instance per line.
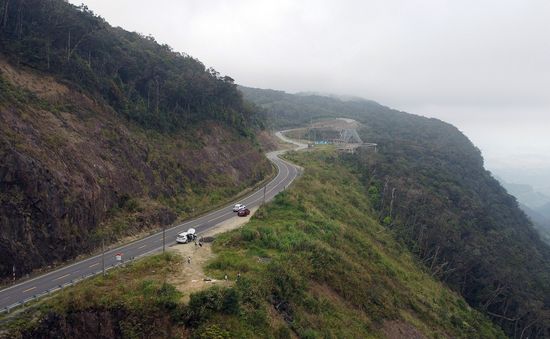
x=318, y=259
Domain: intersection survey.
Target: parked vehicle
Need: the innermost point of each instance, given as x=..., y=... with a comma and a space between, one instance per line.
x=243, y=212
x=238, y=207
x=187, y=236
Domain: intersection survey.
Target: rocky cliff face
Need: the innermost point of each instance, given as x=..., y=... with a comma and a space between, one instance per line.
x=72, y=171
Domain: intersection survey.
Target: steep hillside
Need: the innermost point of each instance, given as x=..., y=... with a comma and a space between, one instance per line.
x=314, y=263
x=105, y=133
x=430, y=189
x=143, y=81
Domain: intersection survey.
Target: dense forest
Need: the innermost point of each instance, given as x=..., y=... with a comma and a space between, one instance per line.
x=142, y=80
x=429, y=187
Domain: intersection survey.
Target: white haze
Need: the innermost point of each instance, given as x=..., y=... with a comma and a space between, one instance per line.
x=482, y=65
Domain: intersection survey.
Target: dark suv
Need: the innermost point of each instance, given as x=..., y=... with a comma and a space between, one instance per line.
x=244, y=212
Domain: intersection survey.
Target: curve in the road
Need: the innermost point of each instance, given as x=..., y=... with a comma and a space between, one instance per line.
x=13, y=296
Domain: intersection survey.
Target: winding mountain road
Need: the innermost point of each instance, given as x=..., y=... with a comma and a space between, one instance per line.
x=15, y=295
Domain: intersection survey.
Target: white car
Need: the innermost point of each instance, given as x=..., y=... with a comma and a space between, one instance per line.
x=239, y=207
x=187, y=236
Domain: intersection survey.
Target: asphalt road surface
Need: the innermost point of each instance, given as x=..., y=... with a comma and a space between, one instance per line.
x=50, y=282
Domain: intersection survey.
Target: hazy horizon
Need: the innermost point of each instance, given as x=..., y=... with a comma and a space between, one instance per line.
x=518, y=151
x=482, y=66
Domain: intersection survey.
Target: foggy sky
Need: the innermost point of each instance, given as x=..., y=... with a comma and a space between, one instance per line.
x=482, y=65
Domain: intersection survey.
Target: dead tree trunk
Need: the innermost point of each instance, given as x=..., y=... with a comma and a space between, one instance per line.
x=19, y=22
x=391, y=202
x=69, y=46
x=383, y=198
x=158, y=95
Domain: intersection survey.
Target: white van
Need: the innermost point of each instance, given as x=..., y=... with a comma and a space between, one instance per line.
x=187, y=236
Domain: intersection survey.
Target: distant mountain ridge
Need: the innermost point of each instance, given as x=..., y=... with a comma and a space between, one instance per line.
x=540, y=221
x=535, y=204
x=333, y=96
x=527, y=195
x=545, y=210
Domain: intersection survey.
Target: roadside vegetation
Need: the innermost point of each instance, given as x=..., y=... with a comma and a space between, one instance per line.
x=323, y=266
x=315, y=262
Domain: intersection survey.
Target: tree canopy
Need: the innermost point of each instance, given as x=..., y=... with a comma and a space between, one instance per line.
x=146, y=82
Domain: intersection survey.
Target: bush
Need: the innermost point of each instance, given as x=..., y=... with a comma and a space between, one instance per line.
x=205, y=304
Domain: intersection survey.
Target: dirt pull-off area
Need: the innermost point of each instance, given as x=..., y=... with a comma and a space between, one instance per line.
x=191, y=278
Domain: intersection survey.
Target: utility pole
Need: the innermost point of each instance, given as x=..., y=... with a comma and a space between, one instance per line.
x=158, y=94
x=310, y=131
x=163, y=238
x=13, y=270
x=103, y=255
x=314, y=135
x=69, y=46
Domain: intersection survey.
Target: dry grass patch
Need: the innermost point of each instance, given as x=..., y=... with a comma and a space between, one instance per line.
x=191, y=277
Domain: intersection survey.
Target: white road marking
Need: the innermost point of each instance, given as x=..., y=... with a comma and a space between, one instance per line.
x=221, y=216
x=29, y=289
x=63, y=276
